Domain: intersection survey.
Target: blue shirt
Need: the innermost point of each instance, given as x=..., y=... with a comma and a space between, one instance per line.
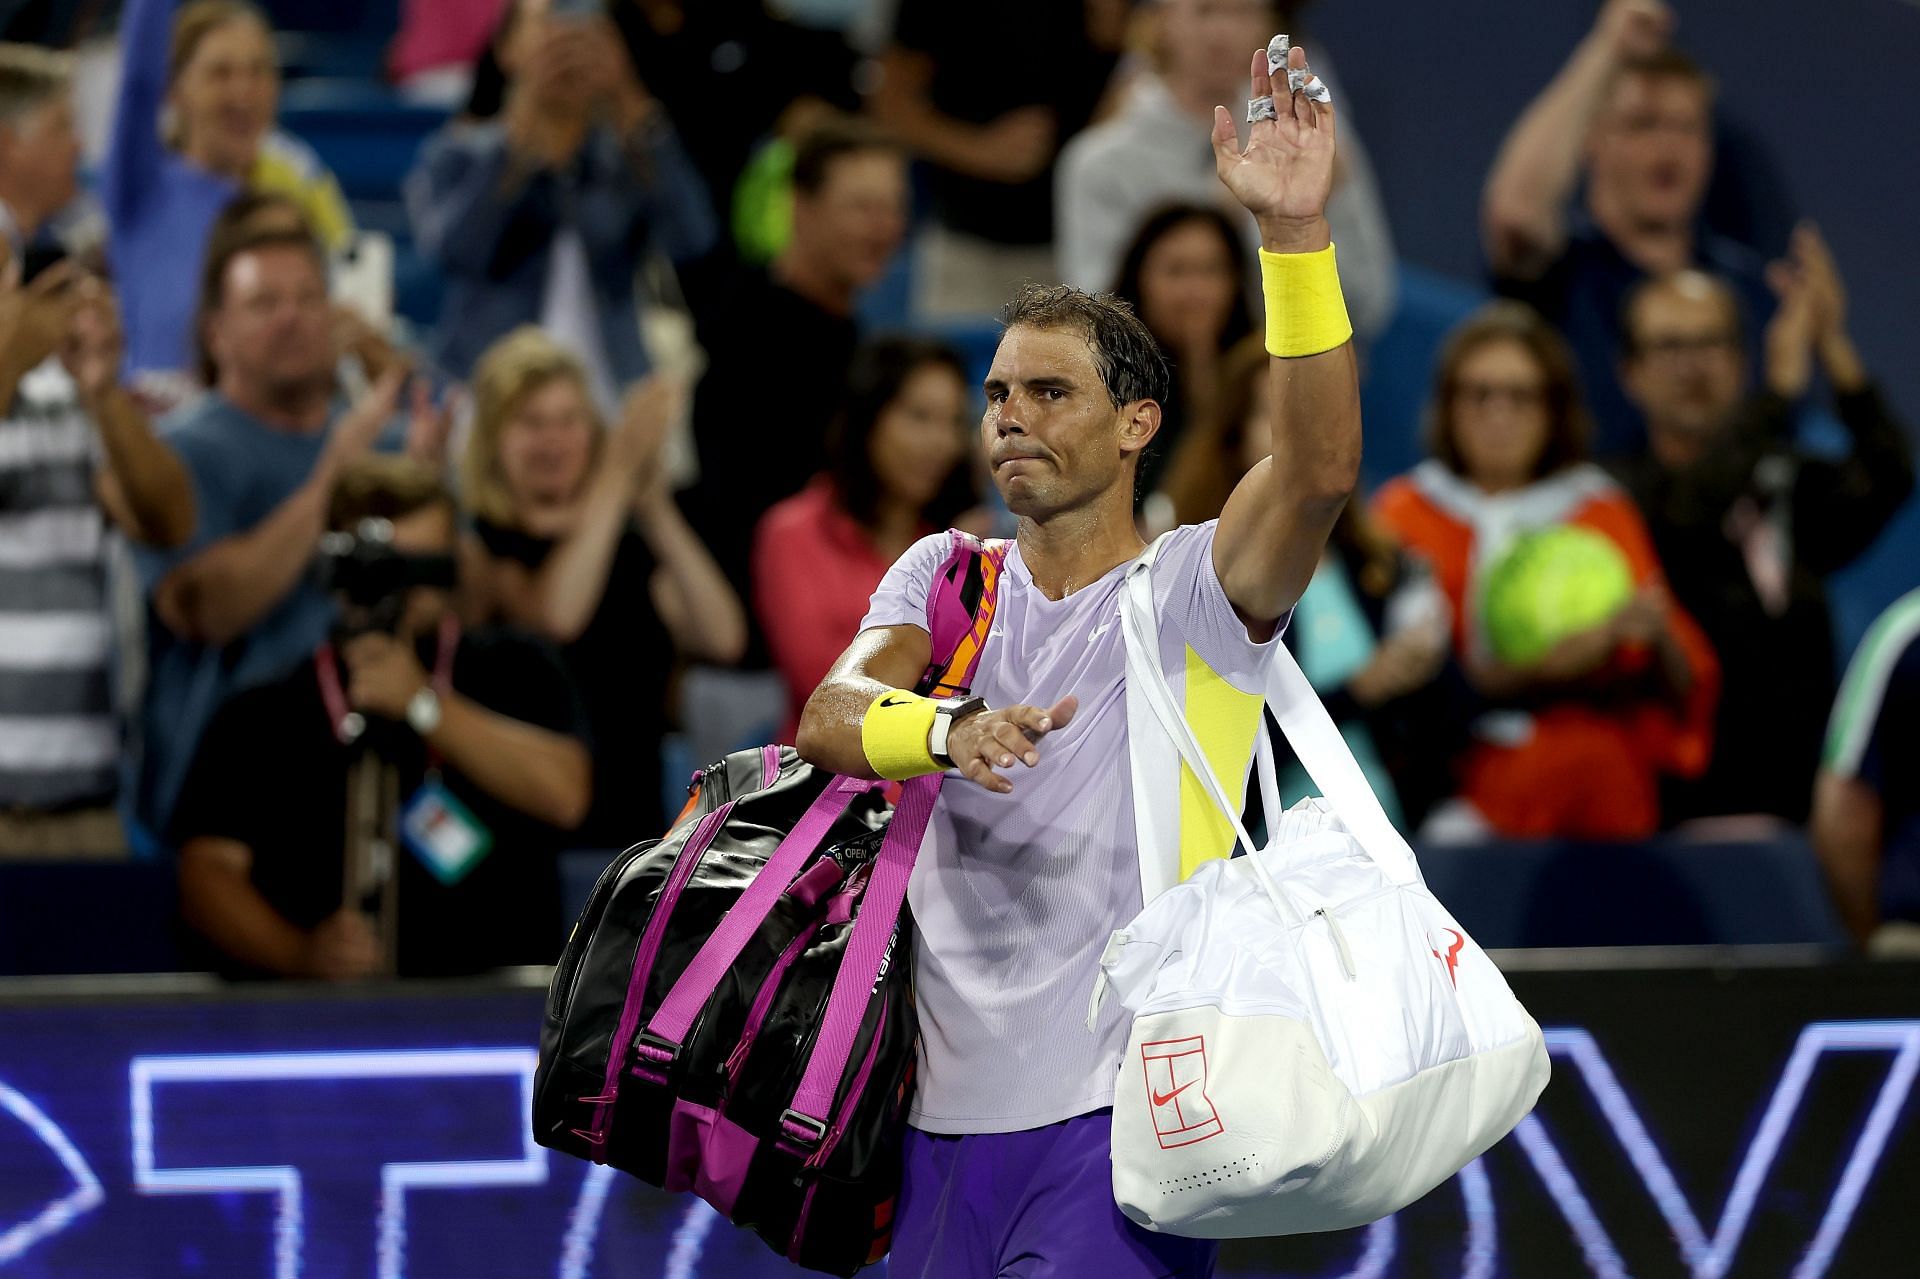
x=1583, y=292
x=241, y=469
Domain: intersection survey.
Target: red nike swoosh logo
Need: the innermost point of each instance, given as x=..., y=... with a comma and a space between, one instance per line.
x=1161, y=1099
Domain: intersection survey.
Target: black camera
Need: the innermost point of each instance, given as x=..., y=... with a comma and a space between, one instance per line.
x=370, y=579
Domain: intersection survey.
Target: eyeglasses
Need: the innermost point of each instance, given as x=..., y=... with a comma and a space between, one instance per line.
x=1676, y=345
x=1516, y=395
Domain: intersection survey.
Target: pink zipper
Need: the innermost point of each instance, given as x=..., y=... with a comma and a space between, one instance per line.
x=649, y=950
x=763, y=1002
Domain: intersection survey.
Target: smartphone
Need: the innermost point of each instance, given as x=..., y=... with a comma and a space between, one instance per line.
x=38, y=258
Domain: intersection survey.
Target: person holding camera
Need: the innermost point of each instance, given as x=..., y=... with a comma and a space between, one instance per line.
x=481, y=731
x=235, y=605
x=76, y=453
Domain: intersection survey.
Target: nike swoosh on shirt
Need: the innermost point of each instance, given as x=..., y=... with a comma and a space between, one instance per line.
x=1100, y=630
x=1161, y=1099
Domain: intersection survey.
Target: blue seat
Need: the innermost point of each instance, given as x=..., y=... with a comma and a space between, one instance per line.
x=368, y=137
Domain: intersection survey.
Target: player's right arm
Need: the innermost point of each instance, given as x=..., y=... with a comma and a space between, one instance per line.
x=885, y=660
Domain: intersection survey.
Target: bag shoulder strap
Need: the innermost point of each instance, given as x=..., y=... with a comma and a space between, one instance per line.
x=960, y=610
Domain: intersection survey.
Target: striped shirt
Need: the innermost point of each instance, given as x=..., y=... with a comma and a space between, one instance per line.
x=59, y=737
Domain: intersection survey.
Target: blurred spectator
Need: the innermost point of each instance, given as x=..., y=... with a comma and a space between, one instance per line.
x=729, y=73
x=1156, y=149
x=577, y=538
x=986, y=93
x=545, y=214
x=1866, y=808
x=1636, y=117
x=788, y=331
x=236, y=606
x=895, y=472
x=483, y=731
x=1747, y=526
x=1371, y=630
x=1185, y=276
x=39, y=149
x=73, y=446
x=439, y=42
x=1591, y=722
x=199, y=91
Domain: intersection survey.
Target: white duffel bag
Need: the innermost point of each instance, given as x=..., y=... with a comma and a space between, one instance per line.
x=1316, y=1042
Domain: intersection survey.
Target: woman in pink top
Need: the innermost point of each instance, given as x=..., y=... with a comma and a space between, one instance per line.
x=893, y=475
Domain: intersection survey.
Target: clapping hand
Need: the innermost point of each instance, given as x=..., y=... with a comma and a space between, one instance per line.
x=1284, y=175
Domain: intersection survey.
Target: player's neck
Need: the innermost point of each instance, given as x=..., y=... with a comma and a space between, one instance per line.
x=1076, y=548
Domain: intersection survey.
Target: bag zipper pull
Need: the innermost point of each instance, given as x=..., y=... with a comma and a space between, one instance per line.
x=1339, y=943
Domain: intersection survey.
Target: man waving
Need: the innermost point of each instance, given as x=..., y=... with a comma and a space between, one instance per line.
x=1025, y=873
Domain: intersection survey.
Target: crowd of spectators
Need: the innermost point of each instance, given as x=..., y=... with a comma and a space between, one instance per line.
x=1572, y=620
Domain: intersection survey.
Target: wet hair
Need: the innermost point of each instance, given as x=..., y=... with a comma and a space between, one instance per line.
x=1129, y=360
x=880, y=372
x=1505, y=321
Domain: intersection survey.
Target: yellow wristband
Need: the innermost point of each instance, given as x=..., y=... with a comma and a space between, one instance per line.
x=1306, y=312
x=894, y=735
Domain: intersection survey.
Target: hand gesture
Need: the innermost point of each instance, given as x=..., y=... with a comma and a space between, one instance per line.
x=636, y=446
x=1017, y=146
x=95, y=343
x=987, y=740
x=1792, y=332
x=1634, y=28
x=1643, y=618
x=1827, y=292
x=1285, y=173
x=382, y=674
x=430, y=425
x=341, y=947
x=1404, y=662
x=354, y=434
x=36, y=319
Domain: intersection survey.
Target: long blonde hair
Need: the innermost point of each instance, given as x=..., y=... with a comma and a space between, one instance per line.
x=509, y=371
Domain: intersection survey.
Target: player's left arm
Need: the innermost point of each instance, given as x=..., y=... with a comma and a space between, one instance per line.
x=1276, y=523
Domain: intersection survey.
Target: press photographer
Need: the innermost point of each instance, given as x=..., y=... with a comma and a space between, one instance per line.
x=395, y=804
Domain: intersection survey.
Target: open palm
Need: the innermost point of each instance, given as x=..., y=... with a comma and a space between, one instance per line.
x=1285, y=174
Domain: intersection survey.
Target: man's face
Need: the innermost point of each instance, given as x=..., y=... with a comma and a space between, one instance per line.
x=855, y=222
x=1652, y=149
x=43, y=155
x=1052, y=435
x=272, y=331
x=1686, y=369
x=1210, y=42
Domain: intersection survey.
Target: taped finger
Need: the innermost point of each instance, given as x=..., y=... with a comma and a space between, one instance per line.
x=1259, y=109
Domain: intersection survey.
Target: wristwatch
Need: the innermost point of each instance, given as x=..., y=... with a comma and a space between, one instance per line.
x=423, y=711
x=945, y=715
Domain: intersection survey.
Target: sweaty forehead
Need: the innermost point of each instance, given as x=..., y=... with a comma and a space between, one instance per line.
x=1026, y=352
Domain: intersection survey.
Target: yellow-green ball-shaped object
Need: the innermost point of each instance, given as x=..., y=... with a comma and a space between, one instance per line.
x=1548, y=585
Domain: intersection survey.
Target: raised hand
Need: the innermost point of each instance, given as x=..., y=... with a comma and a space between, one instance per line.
x=1634, y=28
x=95, y=343
x=354, y=434
x=1284, y=175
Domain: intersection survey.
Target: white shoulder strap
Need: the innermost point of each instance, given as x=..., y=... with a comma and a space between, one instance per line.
x=1295, y=706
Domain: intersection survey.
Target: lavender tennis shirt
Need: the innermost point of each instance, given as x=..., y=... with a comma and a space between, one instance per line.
x=1014, y=896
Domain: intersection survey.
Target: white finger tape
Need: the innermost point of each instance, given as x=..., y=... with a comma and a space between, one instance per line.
x=1299, y=79
x=1261, y=109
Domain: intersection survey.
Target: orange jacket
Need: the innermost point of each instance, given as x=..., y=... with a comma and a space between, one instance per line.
x=1582, y=768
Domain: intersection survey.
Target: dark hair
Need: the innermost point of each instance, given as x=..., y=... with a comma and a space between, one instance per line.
x=1676, y=282
x=1129, y=360
x=879, y=374
x=1669, y=63
x=386, y=486
x=1162, y=222
x=234, y=232
x=1567, y=422
x=832, y=139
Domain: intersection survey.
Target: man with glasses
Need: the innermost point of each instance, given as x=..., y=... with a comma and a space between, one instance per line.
x=1746, y=525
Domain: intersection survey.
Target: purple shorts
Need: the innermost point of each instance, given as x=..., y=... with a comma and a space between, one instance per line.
x=1027, y=1205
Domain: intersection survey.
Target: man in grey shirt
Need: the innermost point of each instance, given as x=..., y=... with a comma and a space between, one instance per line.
x=1026, y=872
x=1150, y=154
